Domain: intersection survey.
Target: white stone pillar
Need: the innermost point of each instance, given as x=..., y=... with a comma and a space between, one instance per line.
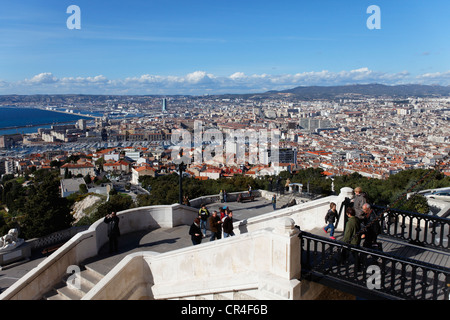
x=282, y=280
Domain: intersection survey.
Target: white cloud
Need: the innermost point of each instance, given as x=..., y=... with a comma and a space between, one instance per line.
x=238, y=76
x=436, y=77
x=199, y=77
x=201, y=82
x=42, y=78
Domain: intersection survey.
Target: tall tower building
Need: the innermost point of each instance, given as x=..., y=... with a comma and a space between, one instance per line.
x=81, y=124
x=164, y=105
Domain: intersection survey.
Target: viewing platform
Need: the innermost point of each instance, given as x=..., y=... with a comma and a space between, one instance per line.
x=156, y=255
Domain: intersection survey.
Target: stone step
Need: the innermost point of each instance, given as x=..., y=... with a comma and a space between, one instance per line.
x=54, y=295
x=74, y=288
x=69, y=293
x=89, y=275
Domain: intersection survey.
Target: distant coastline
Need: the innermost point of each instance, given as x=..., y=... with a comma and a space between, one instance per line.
x=31, y=119
x=33, y=125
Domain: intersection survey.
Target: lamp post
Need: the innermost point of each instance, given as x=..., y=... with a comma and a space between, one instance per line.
x=181, y=168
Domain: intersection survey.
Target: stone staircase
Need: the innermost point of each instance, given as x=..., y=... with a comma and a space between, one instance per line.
x=68, y=289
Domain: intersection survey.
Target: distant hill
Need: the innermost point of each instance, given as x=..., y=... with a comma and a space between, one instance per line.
x=303, y=92
x=372, y=90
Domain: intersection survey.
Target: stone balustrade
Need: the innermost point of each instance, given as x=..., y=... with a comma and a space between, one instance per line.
x=265, y=263
x=255, y=234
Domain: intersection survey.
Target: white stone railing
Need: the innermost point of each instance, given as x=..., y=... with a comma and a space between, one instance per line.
x=308, y=215
x=55, y=237
x=231, y=197
x=265, y=261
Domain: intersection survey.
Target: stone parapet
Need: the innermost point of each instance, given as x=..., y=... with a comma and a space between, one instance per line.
x=264, y=262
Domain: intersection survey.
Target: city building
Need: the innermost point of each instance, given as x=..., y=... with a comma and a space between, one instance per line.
x=141, y=171
x=164, y=105
x=70, y=186
x=76, y=169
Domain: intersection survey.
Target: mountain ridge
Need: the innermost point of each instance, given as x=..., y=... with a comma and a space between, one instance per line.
x=302, y=92
x=374, y=89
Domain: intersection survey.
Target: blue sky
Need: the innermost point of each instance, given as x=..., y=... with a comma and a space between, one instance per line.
x=198, y=47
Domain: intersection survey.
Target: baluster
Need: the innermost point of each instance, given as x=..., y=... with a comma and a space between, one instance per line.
x=413, y=281
x=306, y=262
x=403, y=226
x=394, y=274
x=347, y=254
x=403, y=278
x=383, y=274
x=315, y=254
x=396, y=223
x=424, y=283
x=435, y=285
x=418, y=229
x=441, y=237
x=425, y=232
x=433, y=234
x=447, y=225
x=309, y=254
x=364, y=267
x=410, y=228
x=390, y=219
x=322, y=261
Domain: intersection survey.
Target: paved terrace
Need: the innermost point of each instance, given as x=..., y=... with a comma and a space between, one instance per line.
x=167, y=239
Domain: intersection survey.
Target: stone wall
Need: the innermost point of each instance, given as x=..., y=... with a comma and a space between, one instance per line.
x=264, y=262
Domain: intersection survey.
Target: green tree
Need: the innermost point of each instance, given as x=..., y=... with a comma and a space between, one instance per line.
x=14, y=196
x=416, y=203
x=83, y=188
x=45, y=211
x=116, y=203
x=87, y=179
x=144, y=200
x=55, y=163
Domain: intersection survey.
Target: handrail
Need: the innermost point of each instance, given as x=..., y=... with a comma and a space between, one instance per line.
x=402, y=278
x=425, y=232
x=344, y=204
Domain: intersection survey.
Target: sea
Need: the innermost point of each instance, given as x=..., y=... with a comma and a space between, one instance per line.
x=29, y=120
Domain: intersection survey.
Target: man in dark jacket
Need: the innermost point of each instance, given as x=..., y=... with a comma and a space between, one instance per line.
x=228, y=225
x=215, y=225
x=351, y=234
x=370, y=226
x=352, y=228
x=113, y=231
x=196, y=232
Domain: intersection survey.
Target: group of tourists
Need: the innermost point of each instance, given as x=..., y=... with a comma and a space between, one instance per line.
x=217, y=222
x=362, y=223
x=223, y=196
